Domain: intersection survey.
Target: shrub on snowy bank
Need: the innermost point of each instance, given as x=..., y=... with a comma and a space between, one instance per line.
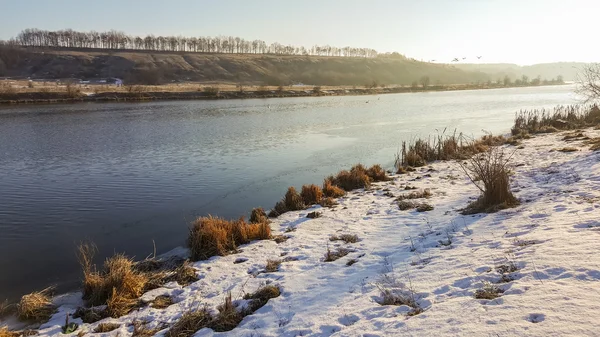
x=560, y=118
x=333, y=187
x=230, y=313
x=442, y=147
x=211, y=236
x=489, y=172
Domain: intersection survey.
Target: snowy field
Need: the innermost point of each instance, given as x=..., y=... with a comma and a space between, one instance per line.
x=543, y=256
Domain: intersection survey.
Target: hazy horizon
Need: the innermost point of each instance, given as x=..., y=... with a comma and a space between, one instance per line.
x=498, y=31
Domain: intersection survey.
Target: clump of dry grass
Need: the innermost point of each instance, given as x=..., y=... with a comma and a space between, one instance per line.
x=568, y=149
x=406, y=205
x=141, y=329
x=106, y=327
x=121, y=303
x=293, y=200
x=377, y=173
x=162, y=301
x=332, y=191
x=260, y=297
x=272, y=266
x=332, y=255
x=314, y=215
x=36, y=306
x=190, y=322
x=4, y=332
x=489, y=172
x=488, y=292
x=228, y=318
x=118, y=284
x=426, y=193
x=258, y=215
x=328, y=202
x=350, y=180
x=211, y=236
x=424, y=207
x=91, y=315
x=6, y=308
x=185, y=274
x=389, y=297
x=594, y=144
x=311, y=194
x=347, y=238
x=280, y=238
x=560, y=118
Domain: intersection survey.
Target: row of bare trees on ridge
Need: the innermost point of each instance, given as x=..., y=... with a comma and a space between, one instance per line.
x=68, y=38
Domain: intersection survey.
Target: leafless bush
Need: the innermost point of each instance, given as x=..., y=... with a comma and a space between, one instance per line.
x=490, y=173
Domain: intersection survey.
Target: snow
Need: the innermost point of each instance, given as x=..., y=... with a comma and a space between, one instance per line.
x=440, y=257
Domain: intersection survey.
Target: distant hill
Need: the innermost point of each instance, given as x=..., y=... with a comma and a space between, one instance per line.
x=545, y=70
x=155, y=66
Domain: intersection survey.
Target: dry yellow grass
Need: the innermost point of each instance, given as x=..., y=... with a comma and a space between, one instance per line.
x=332, y=191
x=106, y=327
x=118, y=285
x=4, y=332
x=36, y=306
x=190, y=322
x=347, y=238
x=350, y=180
x=162, y=301
x=211, y=236
x=377, y=173
x=311, y=194
x=141, y=329
x=258, y=215
x=228, y=318
x=272, y=266
x=262, y=296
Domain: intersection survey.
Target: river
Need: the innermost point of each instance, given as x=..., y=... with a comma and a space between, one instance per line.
x=125, y=175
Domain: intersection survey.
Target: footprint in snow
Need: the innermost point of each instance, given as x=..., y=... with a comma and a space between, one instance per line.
x=348, y=320
x=536, y=318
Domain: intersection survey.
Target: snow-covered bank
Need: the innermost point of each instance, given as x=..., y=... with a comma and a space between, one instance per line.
x=439, y=257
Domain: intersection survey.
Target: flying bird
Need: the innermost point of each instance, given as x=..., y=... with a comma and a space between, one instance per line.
x=478, y=57
x=464, y=58
x=455, y=59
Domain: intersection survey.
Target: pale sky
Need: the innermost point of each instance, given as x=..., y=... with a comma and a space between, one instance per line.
x=510, y=31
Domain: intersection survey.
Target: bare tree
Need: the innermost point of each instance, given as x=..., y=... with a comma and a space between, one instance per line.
x=588, y=82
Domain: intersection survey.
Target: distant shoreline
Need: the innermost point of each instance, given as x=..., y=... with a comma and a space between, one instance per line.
x=41, y=97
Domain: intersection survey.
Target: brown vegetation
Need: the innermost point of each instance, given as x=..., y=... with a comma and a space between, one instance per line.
x=162, y=301
x=560, y=118
x=106, y=327
x=260, y=297
x=311, y=194
x=36, y=306
x=491, y=170
x=228, y=318
x=272, y=266
x=347, y=238
x=211, y=236
x=332, y=191
x=258, y=215
x=426, y=193
x=488, y=292
x=332, y=255
x=190, y=322
x=328, y=202
x=141, y=329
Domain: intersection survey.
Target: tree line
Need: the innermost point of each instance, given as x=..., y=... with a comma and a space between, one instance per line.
x=68, y=38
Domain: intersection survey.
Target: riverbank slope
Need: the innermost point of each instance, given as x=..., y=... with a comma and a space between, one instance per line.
x=539, y=259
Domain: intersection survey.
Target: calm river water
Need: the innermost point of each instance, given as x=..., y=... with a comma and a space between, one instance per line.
x=125, y=174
